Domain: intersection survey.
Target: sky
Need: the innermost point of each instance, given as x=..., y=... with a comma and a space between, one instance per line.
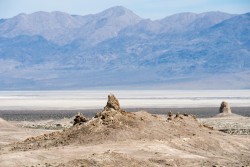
x=153, y=9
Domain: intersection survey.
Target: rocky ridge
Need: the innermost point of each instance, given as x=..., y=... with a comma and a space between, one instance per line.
x=40, y=50
x=115, y=124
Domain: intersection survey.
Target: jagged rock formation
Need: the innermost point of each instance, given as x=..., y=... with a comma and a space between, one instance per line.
x=80, y=119
x=225, y=108
x=111, y=111
x=115, y=124
x=112, y=103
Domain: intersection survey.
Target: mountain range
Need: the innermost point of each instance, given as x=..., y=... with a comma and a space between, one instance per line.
x=118, y=49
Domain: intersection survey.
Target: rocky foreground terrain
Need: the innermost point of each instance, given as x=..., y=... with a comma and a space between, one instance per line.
x=115, y=137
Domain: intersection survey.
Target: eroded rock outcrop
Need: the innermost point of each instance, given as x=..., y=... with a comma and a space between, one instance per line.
x=225, y=111
x=225, y=108
x=178, y=116
x=111, y=110
x=115, y=124
x=112, y=103
x=170, y=115
x=80, y=119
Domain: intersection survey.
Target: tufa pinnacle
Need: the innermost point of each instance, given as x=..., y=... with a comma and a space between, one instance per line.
x=225, y=108
x=112, y=103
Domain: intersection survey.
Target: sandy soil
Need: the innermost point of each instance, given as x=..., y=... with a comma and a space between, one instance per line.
x=10, y=133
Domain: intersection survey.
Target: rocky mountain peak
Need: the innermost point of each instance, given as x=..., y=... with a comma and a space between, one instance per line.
x=118, y=11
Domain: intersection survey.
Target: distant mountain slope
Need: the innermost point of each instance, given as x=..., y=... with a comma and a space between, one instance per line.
x=63, y=28
x=185, y=22
x=116, y=48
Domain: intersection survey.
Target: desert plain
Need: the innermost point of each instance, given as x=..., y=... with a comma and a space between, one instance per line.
x=114, y=136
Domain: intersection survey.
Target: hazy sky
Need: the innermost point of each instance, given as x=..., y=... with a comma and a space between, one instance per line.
x=154, y=9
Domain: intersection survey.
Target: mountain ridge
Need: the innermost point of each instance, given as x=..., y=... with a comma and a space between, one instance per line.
x=117, y=48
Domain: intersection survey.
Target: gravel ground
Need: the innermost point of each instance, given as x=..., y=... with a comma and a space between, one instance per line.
x=231, y=125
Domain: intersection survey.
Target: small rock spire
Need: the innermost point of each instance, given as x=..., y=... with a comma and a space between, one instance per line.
x=112, y=103
x=225, y=108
